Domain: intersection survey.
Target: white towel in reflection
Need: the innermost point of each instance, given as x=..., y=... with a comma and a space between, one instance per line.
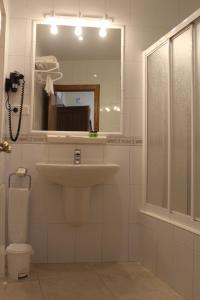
x=49, y=86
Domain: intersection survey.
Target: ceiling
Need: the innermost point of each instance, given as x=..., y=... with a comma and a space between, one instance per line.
x=66, y=46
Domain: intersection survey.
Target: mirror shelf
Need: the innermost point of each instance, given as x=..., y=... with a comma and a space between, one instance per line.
x=76, y=139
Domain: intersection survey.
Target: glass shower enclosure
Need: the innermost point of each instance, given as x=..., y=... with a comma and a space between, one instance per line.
x=172, y=116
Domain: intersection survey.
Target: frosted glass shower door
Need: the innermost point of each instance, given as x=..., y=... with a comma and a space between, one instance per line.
x=157, y=124
x=197, y=127
x=181, y=121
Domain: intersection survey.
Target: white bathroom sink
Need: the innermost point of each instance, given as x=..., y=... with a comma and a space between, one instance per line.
x=71, y=175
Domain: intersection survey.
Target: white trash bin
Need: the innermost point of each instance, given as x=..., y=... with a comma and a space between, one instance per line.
x=19, y=260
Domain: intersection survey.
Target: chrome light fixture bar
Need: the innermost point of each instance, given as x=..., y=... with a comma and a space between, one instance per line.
x=78, y=21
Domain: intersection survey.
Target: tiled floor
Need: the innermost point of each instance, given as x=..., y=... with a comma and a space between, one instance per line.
x=103, y=281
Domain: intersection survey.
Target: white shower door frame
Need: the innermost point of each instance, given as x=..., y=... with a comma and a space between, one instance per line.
x=189, y=222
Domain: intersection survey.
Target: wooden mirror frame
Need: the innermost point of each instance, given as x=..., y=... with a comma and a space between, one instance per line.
x=84, y=88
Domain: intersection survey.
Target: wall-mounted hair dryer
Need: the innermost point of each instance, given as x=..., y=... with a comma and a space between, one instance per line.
x=11, y=85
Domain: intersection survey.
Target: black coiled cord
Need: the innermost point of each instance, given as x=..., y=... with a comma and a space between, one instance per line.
x=14, y=138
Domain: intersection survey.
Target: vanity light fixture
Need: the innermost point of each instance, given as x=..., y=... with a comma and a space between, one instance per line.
x=118, y=109
x=103, y=28
x=107, y=109
x=53, y=22
x=102, y=32
x=54, y=29
x=78, y=31
x=79, y=22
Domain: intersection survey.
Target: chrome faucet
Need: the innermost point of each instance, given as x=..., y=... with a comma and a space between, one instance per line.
x=77, y=156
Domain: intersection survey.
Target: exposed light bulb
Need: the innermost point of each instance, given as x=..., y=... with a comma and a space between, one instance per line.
x=107, y=109
x=54, y=29
x=95, y=75
x=102, y=32
x=116, y=108
x=78, y=31
x=80, y=38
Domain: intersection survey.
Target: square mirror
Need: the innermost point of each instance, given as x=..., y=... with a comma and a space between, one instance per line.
x=77, y=79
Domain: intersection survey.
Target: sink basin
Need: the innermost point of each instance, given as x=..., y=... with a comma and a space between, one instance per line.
x=76, y=181
x=70, y=175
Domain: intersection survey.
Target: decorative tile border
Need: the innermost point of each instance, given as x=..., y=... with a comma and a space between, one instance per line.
x=111, y=140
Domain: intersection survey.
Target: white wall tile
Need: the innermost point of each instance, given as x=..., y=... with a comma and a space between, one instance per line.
x=135, y=242
x=38, y=240
x=136, y=117
x=196, y=284
x=136, y=165
x=164, y=259
x=196, y=292
x=184, y=237
x=61, y=239
x=93, y=7
x=120, y=11
x=136, y=198
x=182, y=274
x=149, y=249
x=14, y=159
x=39, y=201
x=65, y=153
x=187, y=8
x=118, y=155
x=16, y=62
x=2, y=168
x=32, y=154
x=38, y=9
x=96, y=204
x=88, y=243
x=60, y=153
x=116, y=203
x=115, y=241
x=17, y=42
x=55, y=204
x=133, y=79
x=91, y=153
x=197, y=244
x=155, y=13
x=66, y=6
x=14, y=10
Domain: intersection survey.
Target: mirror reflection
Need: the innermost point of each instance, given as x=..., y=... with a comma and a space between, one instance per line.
x=77, y=79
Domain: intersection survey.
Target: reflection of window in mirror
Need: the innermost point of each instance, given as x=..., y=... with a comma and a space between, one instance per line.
x=62, y=61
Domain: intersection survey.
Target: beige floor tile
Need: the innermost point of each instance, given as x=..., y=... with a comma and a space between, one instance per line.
x=28, y=290
x=117, y=280
x=75, y=286
x=154, y=296
x=55, y=270
x=131, y=281
x=94, y=281
x=1, y=290
x=134, y=267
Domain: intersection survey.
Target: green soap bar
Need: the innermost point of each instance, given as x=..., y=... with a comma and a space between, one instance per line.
x=93, y=134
